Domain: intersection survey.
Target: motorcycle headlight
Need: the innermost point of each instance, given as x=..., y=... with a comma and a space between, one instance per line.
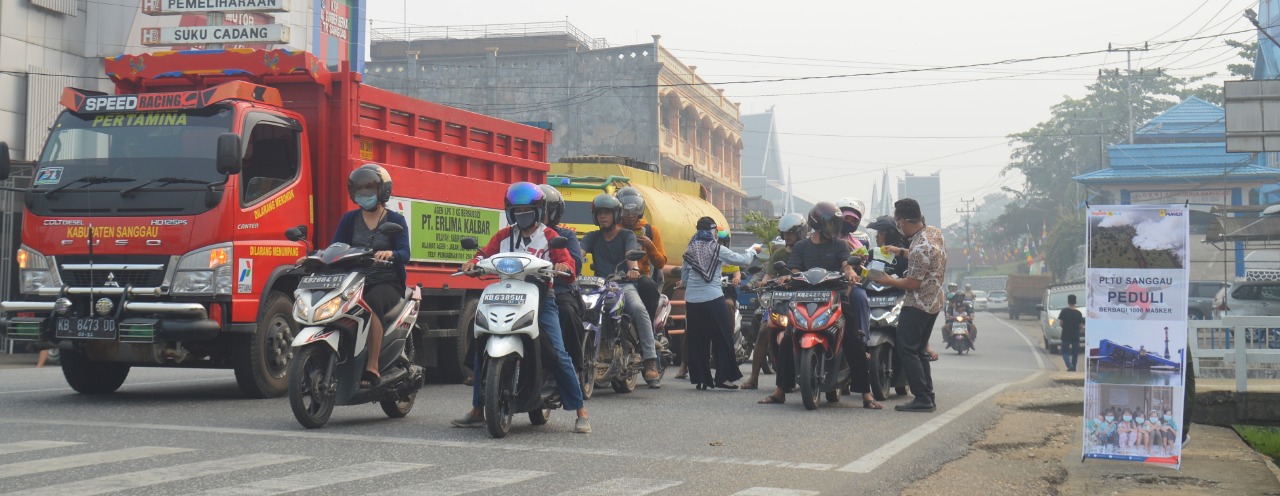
x=779, y=319
x=206, y=271
x=299, y=310
x=508, y=265
x=822, y=320
x=35, y=271
x=327, y=310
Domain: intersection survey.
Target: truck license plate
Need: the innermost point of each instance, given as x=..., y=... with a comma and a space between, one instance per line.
x=503, y=299
x=85, y=328
x=329, y=281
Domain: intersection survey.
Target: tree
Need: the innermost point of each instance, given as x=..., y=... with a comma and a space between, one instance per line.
x=1061, y=251
x=764, y=227
x=1248, y=52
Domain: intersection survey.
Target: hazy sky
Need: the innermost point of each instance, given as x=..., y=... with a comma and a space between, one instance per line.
x=839, y=133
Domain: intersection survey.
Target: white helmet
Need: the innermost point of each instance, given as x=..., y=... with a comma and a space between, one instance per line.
x=852, y=203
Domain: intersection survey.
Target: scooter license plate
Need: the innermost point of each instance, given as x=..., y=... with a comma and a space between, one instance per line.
x=85, y=328
x=882, y=301
x=810, y=296
x=503, y=299
x=328, y=281
x=959, y=328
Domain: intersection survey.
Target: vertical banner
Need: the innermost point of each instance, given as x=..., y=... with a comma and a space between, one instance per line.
x=1137, y=278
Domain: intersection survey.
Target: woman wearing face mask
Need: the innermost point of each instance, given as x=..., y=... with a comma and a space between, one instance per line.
x=370, y=188
x=1128, y=432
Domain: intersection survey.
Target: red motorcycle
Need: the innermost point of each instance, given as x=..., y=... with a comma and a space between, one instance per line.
x=817, y=334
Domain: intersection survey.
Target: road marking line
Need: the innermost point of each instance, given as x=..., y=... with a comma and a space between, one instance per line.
x=463, y=484
x=84, y=460
x=24, y=446
x=313, y=480
x=143, y=478
x=1025, y=339
x=875, y=458
x=432, y=443
x=623, y=487
x=132, y=384
x=773, y=491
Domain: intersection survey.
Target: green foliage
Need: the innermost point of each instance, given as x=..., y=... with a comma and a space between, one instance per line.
x=1248, y=51
x=1062, y=250
x=1265, y=440
x=764, y=227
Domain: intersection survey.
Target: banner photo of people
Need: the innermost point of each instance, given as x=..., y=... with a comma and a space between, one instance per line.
x=1136, y=278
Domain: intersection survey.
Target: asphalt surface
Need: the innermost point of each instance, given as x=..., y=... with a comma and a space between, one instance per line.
x=169, y=431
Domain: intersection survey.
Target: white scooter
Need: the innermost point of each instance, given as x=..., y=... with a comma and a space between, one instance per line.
x=515, y=362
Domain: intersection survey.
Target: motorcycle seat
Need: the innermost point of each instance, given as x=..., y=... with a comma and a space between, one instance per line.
x=395, y=310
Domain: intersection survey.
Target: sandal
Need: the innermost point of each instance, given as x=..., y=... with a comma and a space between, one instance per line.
x=871, y=404
x=771, y=400
x=749, y=385
x=369, y=379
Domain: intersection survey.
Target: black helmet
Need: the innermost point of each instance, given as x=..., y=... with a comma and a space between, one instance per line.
x=605, y=201
x=826, y=219
x=370, y=176
x=632, y=201
x=883, y=224
x=555, y=204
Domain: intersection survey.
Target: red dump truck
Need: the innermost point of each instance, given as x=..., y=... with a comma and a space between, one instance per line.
x=154, y=226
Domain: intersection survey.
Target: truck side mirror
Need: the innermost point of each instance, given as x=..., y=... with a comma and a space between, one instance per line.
x=469, y=243
x=1039, y=308
x=229, y=158
x=558, y=242
x=296, y=233
x=4, y=161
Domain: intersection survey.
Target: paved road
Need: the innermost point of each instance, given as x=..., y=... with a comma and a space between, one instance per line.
x=179, y=431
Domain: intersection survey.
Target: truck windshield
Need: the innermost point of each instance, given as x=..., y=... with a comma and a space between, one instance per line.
x=577, y=213
x=132, y=149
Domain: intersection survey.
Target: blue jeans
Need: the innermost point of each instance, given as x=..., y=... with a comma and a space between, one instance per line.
x=1070, y=352
x=566, y=379
x=634, y=307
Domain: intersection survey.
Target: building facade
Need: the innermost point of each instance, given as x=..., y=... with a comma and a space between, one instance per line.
x=636, y=101
x=926, y=190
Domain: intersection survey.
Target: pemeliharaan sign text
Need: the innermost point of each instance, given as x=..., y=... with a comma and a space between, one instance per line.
x=179, y=7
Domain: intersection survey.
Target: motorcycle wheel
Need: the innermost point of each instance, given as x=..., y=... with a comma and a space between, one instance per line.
x=398, y=408
x=662, y=344
x=499, y=389
x=881, y=371
x=626, y=384
x=587, y=378
x=540, y=417
x=312, y=399
x=809, y=389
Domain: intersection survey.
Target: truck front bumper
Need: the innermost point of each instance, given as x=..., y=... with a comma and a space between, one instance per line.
x=164, y=321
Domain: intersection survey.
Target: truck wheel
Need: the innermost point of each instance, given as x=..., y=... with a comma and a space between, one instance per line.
x=89, y=377
x=451, y=353
x=262, y=359
x=1013, y=315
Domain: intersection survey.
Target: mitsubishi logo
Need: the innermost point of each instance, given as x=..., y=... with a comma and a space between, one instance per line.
x=111, y=280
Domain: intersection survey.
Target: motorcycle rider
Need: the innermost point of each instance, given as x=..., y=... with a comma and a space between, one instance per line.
x=525, y=203
x=791, y=228
x=825, y=248
x=369, y=187
x=650, y=240
x=608, y=247
x=568, y=296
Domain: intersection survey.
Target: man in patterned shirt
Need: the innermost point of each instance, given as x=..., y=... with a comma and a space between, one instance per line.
x=926, y=268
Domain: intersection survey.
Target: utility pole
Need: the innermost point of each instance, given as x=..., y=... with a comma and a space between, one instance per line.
x=967, y=211
x=1128, y=87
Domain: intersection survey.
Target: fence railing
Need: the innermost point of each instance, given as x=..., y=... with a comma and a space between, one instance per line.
x=1238, y=341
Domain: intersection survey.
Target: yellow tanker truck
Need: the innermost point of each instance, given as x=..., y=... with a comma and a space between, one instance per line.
x=672, y=205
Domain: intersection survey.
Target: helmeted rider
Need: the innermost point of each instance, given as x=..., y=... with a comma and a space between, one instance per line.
x=891, y=246
x=650, y=240
x=568, y=296
x=369, y=187
x=791, y=229
x=525, y=204
x=608, y=247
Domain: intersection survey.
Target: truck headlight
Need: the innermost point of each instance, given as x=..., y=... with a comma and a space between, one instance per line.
x=206, y=271
x=35, y=271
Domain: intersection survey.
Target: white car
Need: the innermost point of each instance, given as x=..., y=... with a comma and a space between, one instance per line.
x=980, y=301
x=997, y=301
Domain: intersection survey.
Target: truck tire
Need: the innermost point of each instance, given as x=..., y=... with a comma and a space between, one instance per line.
x=451, y=353
x=1013, y=315
x=262, y=359
x=89, y=377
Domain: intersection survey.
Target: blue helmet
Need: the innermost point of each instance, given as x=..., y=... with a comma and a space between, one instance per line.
x=524, y=194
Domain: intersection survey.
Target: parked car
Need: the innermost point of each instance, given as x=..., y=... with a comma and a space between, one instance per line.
x=1055, y=299
x=1249, y=298
x=997, y=301
x=1200, y=298
x=980, y=302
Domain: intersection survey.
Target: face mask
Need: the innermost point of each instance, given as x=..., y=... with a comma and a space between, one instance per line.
x=1128, y=418
x=366, y=202
x=1153, y=419
x=525, y=220
x=1141, y=420
x=1168, y=417
x=1110, y=418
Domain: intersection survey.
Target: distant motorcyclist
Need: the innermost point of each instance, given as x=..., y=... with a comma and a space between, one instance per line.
x=608, y=248
x=650, y=240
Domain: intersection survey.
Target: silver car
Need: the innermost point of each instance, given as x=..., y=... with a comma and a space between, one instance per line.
x=1249, y=298
x=980, y=301
x=1055, y=299
x=997, y=301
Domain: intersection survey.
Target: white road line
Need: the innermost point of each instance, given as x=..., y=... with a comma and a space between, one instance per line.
x=313, y=480
x=875, y=458
x=50, y=390
x=463, y=484
x=1025, y=339
x=84, y=460
x=623, y=487
x=773, y=491
x=143, y=478
x=432, y=443
x=24, y=446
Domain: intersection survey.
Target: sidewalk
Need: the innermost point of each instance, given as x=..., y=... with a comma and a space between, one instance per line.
x=1035, y=449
